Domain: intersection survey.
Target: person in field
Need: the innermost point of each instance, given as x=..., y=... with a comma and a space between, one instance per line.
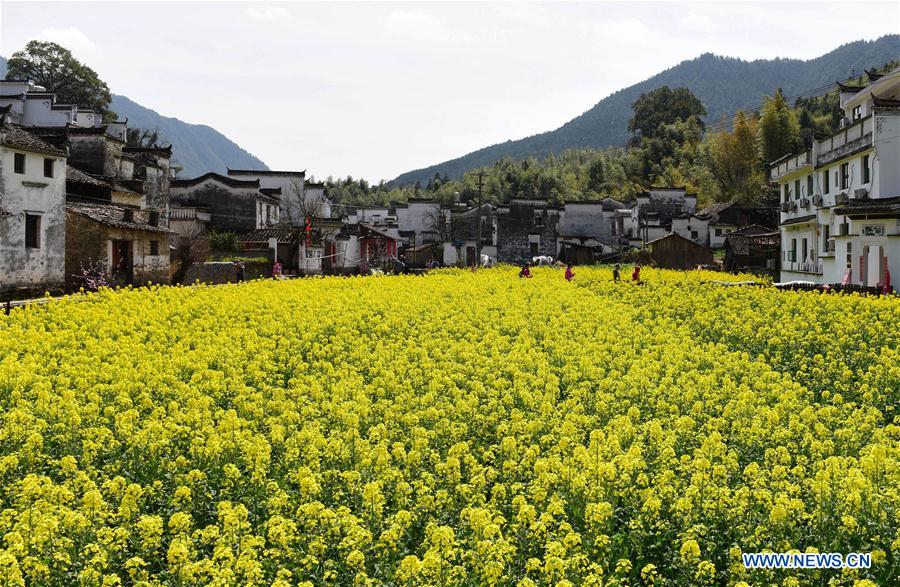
x=636, y=274
x=526, y=271
x=569, y=273
x=277, y=270
x=617, y=277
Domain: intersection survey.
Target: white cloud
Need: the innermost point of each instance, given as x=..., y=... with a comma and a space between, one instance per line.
x=268, y=13
x=627, y=30
x=696, y=22
x=74, y=40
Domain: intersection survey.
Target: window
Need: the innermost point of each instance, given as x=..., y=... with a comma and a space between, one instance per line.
x=787, y=193
x=534, y=248
x=804, y=250
x=154, y=248
x=695, y=235
x=857, y=112
x=849, y=253
x=32, y=231
x=793, y=253
x=797, y=189
x=825, y=178
x=845, y=176
x=826, y=232
x=538, y=219
x=48, y=167
x=809, y=184
x=19, y=163
x=866, y=173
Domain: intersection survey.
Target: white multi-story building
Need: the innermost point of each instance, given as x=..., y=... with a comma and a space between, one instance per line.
x=840, y=200
x=32, y=211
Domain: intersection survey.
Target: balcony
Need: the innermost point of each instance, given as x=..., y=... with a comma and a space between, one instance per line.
x=787, y=165
x=856, y=137
x=189, y=214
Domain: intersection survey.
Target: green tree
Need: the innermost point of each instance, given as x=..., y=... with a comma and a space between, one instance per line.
x=663, y=106
x=733, y=160
x=779, y=131
x=53, y=67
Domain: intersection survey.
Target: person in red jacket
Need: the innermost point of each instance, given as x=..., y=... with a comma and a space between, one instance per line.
x=569, y=273
x=526, y=271
x=636, y=274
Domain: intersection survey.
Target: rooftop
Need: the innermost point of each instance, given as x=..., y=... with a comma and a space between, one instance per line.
x=230, y=182
x=17, y=138
x=265, y=172
x=111, y=215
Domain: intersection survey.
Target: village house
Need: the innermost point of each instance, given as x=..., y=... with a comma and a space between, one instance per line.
x=461, y=246
x=710, y=225
x=588, y=229
x=654, y=211
x=753, y=249
x=32, y=212
x=420, y=221
x=526, y=228
x=125, y=241
x=232, y=205
x=116, y=198
x=674, y=251
x=297, y=203
x=840, y=199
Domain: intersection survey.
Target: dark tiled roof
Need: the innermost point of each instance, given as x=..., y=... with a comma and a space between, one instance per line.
x=751, y=230
x=163, y=151
x=76, y=176
x=270, y=191
x=111, y=215
x=229, y=181
x=849, y=88
x=714, y=208
x=15, y=137
x=262, y=235
x=885, y=102
x=870, y=206
x=799, y=220
x=265, y=172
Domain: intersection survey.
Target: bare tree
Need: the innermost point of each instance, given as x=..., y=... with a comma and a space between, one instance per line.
x=297, y=205
x=436, y=221
x=191, y=246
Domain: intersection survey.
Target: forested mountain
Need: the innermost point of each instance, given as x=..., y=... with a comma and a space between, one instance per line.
x=196, y=147
x=723, y=84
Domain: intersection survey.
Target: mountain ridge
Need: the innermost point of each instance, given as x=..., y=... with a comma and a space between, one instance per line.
x=197, y=148
x=745, y=82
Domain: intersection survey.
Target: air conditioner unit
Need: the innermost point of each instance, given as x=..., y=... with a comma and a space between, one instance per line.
x=785, y=206
x=829, y=245
x=817, y=200
x=793, y=206
x=804, y=202
x=860, y=193
x=840, y=198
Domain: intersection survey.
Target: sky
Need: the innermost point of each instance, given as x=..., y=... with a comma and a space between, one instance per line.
x=376, y=89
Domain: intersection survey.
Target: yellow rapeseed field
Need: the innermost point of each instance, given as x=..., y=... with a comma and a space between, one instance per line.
x=455, y=429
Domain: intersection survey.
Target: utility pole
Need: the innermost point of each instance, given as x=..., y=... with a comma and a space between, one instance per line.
x=478, y=237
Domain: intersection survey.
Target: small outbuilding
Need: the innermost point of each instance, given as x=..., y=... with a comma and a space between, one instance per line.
x=674, y=251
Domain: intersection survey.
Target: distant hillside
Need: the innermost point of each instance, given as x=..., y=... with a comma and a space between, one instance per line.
x=723, y=84
x=196, y=147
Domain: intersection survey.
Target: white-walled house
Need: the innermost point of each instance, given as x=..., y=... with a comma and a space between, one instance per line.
x=297, y=199
x=421, y=220
x=840, y=200
x=651, y=216
x=32, y=212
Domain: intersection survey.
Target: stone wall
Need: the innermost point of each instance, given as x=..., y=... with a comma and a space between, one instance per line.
x=516, y=229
